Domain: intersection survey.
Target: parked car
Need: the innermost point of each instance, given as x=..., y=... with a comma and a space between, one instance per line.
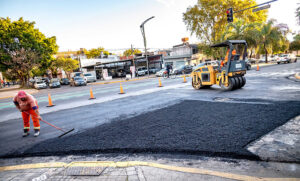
x=78, y=81
x=40, y=85
x=140, y=71
x=46, y=80
x=185, y=69
x=153, y=70
x=89, y=77
x=31, y=82
x=54, y=83
x=161, y=73
x=263, y=59
x=64, y=81
x=287, y=58
x=121, y=73
x=248, y=64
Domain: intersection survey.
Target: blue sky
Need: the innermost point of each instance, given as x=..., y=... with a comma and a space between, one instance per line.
x=114, y=24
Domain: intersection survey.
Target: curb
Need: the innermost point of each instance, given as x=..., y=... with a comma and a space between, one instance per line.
x=124, y=164
x=297, y=75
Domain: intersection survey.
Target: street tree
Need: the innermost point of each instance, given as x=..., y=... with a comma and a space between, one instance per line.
x=269, y=38
x=95, y=52
x=22, y=47
x=67, y=64
x=129, y=52
x=295, y=44
x=239, y=30
x=207, y=19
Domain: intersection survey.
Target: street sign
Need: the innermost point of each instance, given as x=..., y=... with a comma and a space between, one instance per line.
x=261, y=8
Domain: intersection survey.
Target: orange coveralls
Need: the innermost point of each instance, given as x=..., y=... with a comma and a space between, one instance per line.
x=226, y=57
x=28, y=106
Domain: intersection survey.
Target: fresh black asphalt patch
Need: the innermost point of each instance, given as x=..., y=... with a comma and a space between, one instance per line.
x=192, y=127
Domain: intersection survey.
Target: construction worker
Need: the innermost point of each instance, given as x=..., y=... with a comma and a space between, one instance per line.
x=226, y=57
x=27, y=104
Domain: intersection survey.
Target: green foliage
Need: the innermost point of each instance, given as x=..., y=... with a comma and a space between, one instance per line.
x=295, y=45
x=95, y=52
x=129, y=52
x=270, y=39
x=67, y=64
x=207, y=19
x=23, y=47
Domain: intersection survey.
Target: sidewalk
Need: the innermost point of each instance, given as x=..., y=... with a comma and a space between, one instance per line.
x=142, y=168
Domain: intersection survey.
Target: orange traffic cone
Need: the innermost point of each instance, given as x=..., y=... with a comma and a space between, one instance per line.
x=91, y=94
x=184, y=79
x=50, y=101
x=159, y=83
x=257, y=68
x=121, y=89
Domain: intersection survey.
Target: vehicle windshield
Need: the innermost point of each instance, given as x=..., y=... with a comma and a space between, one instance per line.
x=78, y=78
x=283, y=55
x=87, y=74
x=40, y=82
x=54, y=80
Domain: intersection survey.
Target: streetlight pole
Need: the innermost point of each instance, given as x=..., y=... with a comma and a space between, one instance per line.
x=145, y=42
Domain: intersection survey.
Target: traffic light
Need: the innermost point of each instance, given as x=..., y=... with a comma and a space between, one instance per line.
x=229, y=15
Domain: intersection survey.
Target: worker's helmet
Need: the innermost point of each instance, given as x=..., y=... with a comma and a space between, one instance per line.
x=22, y=94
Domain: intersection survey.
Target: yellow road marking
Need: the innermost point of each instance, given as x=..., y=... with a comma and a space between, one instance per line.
x=140, y=163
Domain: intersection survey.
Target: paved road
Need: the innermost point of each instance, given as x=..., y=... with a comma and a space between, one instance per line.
x=73, y=110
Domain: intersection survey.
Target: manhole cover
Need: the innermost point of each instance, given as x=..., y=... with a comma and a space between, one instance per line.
x=84, y=171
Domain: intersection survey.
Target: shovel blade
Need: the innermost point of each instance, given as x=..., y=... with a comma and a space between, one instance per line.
x=66, y=132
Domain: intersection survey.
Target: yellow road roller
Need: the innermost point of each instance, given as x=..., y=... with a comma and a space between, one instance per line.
x=228, y=74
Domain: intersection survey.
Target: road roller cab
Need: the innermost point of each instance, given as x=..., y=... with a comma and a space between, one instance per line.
x=229, y=74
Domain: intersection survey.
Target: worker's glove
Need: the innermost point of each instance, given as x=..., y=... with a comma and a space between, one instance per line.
x=39, y=117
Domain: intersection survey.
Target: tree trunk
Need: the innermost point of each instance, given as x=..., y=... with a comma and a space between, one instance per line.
x=266, y=53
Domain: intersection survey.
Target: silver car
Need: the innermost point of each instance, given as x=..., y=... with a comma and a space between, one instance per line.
x=89, y=77
x=40, y=85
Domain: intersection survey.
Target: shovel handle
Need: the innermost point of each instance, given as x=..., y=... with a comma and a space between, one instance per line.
x=47, y=122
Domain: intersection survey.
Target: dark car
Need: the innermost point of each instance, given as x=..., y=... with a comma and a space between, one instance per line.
x=77, y=81
x=64, y=81
x=54, y=83
x=185, y=69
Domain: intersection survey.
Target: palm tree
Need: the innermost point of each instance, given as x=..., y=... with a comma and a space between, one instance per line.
x=268, y=36
x=240, y=30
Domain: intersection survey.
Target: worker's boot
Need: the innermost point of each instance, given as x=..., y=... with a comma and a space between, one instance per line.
x=26, y=132
x=36, y=132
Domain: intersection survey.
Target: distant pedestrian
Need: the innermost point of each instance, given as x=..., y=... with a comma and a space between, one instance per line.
x=27, y=104
x=168, y=70
x=1, y=83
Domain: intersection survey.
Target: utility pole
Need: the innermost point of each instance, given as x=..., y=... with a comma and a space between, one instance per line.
x=145, y=42
x=132, y=60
